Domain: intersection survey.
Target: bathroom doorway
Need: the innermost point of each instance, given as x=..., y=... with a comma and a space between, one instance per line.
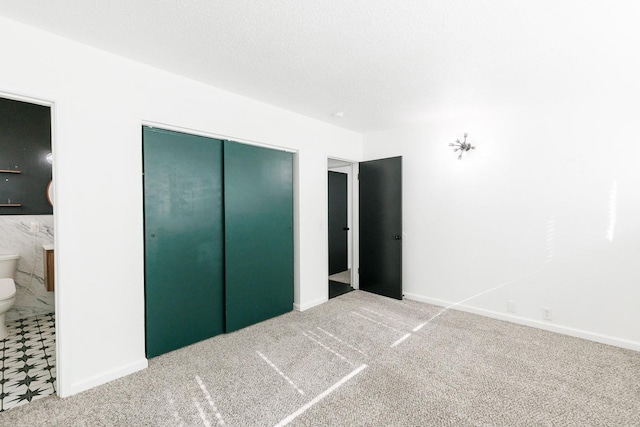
x=27, y=226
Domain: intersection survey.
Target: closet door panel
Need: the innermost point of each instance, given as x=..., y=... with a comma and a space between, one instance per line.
x=184, y=252
x=258, y=206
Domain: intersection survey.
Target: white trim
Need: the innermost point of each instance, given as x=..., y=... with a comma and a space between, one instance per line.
x=61, y=371
x=28, y=99
x=355, y=225
x=307, y=306
x=106, y=377
x=190, y=131
x=353, y=219
x=559, y=329
x=61, y=377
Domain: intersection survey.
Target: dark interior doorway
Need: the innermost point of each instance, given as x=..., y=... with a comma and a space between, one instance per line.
x=339, y=230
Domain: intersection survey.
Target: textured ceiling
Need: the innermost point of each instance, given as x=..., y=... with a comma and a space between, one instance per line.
x=383, y=63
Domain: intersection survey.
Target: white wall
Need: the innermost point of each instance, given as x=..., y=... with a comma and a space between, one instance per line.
x=99, y=102
x=548, y=205
x=550, y=199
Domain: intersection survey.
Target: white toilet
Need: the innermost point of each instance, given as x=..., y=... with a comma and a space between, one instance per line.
x=8, y=263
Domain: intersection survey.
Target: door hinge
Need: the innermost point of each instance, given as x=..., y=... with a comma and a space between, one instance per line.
x=358, y=177
x=358, y=270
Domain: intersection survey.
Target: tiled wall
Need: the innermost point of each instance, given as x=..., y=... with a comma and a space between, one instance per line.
x=31, y=298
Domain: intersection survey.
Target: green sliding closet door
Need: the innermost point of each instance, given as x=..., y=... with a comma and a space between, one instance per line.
x=258, y=199
x=184, y=246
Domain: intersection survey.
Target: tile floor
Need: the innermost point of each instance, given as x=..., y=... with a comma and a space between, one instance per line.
x=27, y=361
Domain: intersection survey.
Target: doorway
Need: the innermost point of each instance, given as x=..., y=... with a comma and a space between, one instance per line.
x=373, y=227
x=340, y=227
x=27, y=230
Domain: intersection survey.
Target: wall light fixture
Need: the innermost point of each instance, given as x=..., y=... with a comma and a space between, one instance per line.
x=461, y=146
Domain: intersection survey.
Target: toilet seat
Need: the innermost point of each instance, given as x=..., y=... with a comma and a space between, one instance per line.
x=7, y=289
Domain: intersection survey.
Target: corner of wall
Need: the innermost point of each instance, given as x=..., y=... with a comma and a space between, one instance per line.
x=103, y=378
x=559, y=329
x=311, y=304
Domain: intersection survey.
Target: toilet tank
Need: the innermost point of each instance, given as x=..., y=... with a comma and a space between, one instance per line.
x=8, y=263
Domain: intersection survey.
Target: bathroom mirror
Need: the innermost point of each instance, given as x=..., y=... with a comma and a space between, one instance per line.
x=50, y=192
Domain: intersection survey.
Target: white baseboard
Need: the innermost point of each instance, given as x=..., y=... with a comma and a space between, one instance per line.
x=104, y=378
x=565, y=330
x=307, y=306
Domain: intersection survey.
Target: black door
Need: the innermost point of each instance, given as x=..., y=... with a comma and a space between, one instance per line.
x=337, y=222
x=381, y=227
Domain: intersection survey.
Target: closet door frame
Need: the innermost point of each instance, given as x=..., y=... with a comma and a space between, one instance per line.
x=294, y=191
x=184, y=239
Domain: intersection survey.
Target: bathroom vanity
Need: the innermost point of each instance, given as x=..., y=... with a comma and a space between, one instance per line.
x=48, y=267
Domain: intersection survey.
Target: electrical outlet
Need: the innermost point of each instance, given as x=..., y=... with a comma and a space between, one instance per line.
x=35, y=227
x=511, y=306
x=547, y=313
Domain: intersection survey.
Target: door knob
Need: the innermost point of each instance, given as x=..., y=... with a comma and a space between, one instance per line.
x=397, y=237
x=345, y=228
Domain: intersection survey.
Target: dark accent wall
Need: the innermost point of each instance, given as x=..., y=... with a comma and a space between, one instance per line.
x=25, y=141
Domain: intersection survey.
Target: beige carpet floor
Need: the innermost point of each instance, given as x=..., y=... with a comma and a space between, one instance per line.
x=357, y=361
